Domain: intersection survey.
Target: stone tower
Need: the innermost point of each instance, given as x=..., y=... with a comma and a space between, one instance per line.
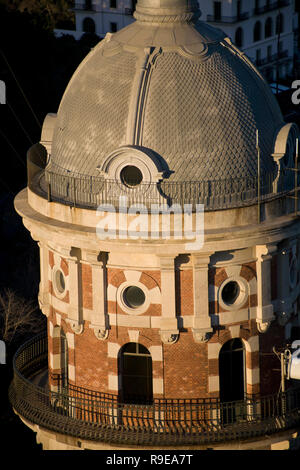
x=160, y=197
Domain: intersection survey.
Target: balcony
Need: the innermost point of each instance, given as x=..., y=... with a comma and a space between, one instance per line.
x=97, y=416
x=87, y=6
x=271, y=7
x=273, y=58
x=228, y=19
x=58, y=185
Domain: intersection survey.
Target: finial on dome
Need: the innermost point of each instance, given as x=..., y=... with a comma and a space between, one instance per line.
x=167, y=11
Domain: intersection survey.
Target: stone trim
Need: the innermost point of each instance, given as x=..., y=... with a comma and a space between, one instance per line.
x=201, y=321
x=168, y=325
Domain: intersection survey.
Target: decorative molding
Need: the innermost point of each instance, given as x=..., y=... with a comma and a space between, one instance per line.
x=100, y=331
x=202, y=335
x=75, y=326
x=263, y=326
x=169, y=336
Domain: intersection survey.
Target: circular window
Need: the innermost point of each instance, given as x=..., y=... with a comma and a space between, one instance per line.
x=134, y=297
x=131, y=176
x=60, y=281
x=233, y=293
x=230, y=292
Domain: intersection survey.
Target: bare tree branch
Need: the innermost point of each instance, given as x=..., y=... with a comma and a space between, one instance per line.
x=18, y=317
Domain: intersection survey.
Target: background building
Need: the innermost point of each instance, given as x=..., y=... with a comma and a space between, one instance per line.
x=264, y=30
x=155, y=338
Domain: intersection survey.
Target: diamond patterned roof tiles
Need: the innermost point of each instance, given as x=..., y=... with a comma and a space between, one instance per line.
x=200, y=111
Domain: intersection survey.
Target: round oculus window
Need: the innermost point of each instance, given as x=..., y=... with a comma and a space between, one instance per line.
x=230, y=292
x=60, y=281
x=131, y=176
x=134, y=297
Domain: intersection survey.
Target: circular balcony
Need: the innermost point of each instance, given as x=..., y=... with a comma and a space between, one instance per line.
x=77, y=190
x=100, y=417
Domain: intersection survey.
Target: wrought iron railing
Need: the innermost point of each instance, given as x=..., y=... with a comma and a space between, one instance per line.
x=97, y=416
x=228, y=19
x=57, y=184
x=273, y=58
x=271, y=6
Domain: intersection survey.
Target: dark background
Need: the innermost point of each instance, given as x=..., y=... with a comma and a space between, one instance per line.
x=36, y=68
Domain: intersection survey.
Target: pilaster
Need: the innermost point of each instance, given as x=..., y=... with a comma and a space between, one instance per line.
x=169, y=324
x=43, y=297
x=201, y=321
x=99, y=320
x=265, y=309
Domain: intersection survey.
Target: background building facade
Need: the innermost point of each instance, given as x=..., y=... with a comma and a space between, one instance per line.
x=266, y=31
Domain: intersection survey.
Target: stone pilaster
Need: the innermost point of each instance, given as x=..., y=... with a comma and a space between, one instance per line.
x=99, y=320
x=265, y=309
x=44, y=301
x=168, y=324
x=75, y=319
x=201, y=321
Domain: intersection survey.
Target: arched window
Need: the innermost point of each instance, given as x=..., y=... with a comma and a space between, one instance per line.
x=135, y=372
x=232, y=371
x=239, y=37
x=88, y=25
x=279, y=23
x=257, y=32
x=268, y=28
x=232, y=381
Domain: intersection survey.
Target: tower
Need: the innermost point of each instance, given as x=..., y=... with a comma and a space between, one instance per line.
x=163, y=199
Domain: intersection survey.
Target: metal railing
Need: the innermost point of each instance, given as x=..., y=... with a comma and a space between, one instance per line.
x=272, y=58
x=97, y=416
x=228, y=19
x=91, y=191
x=271, y=7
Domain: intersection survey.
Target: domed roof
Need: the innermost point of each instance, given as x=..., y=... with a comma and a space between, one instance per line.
x=172, y=85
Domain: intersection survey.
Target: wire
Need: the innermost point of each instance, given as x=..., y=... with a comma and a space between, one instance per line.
x=20, y=124
x=7, y=187
x=24, y=96
x=9, y=143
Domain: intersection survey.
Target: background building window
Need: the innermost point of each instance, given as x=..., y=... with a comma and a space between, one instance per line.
x=258, y=56
x=217, y=10
x=279, y=24
x=113, y=27
x=257, y=32
x=268, y=28
x=113, y=4
x=239, y=8
x=239, y=37
x=88, y=25
x=269, y=52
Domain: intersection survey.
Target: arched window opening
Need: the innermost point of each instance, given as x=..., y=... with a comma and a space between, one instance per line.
x=239, y=37
x=135, y=372
x=88, y=25
x=232, y=371
x=268, y=28
x=257, y=32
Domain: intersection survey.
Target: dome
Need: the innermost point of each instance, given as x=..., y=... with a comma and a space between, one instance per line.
x=172, y=87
